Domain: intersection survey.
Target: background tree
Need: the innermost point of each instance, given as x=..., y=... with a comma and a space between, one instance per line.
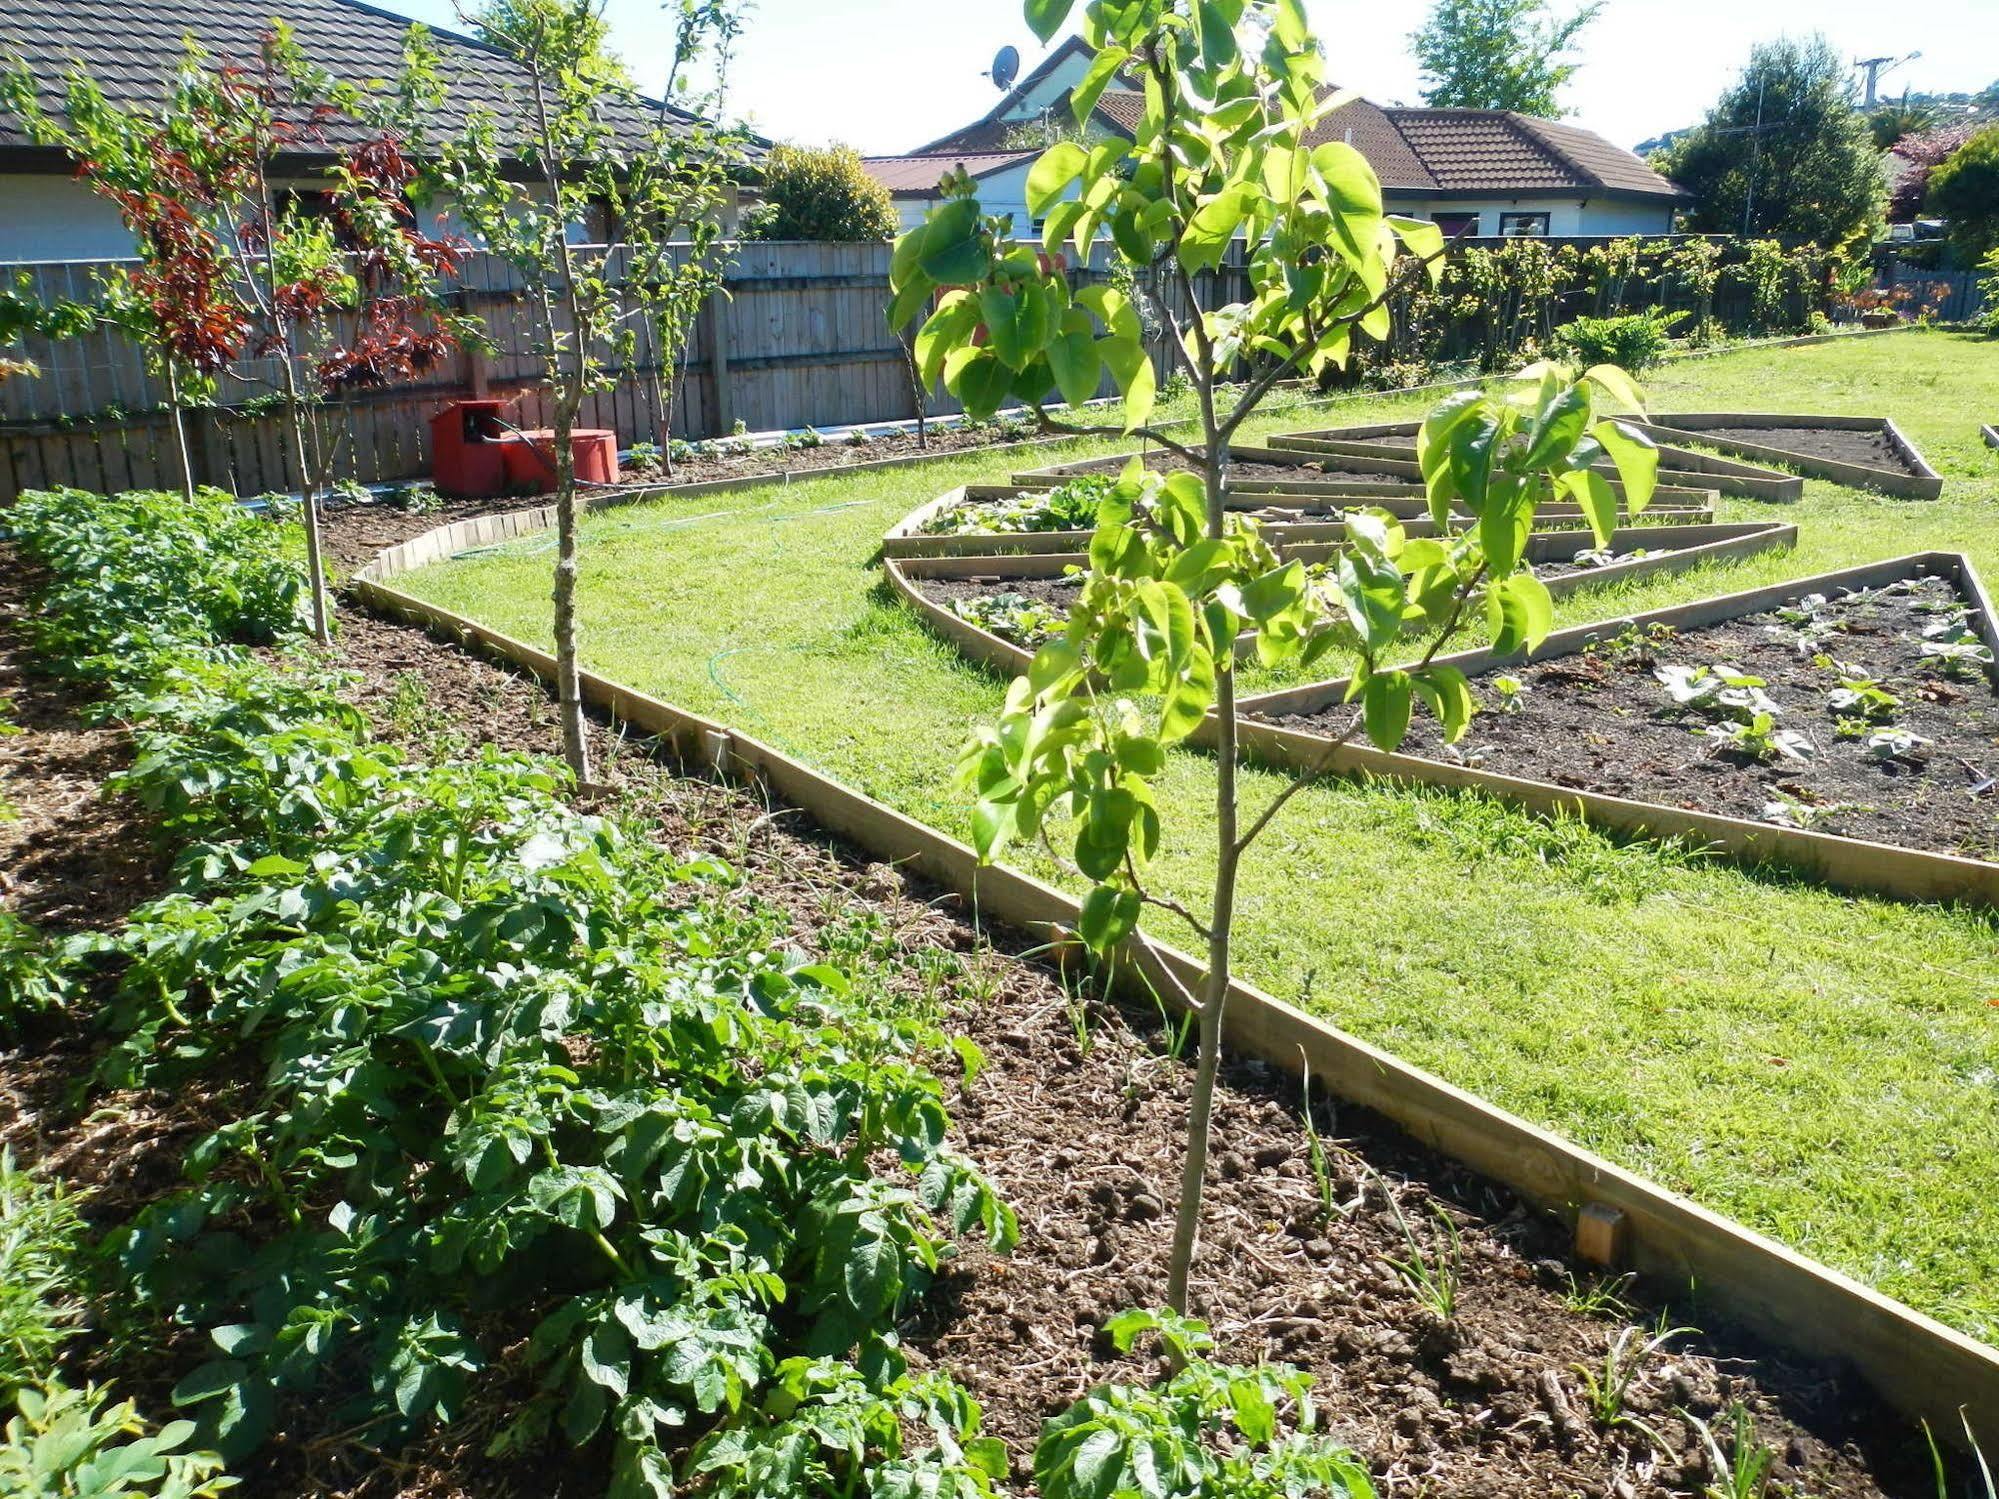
x=180, y=304
x=1784, y=152
x=523, y=189
x=1899, y=119
x=1233, y=92
x=1498, y=54
x=820, y=193
x=1964, y=191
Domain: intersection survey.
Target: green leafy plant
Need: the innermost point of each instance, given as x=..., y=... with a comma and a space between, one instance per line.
x=1224, y=153
x=503, y=1044
x=1433, y=1273
x=1741, y=1469
x=1512, y=693
x=1634, y=342
x=1603, y=1296
x=1894, y=743
x=820, y=193
x=1861, y=696
x=1012, y=616
x=1206, y=1430
x=76, y=1444
x=1607, y=1386
x=41, y=1237
x=1963, y=656
x=1758, y=738
x=1072, y=506
x=1722, y=690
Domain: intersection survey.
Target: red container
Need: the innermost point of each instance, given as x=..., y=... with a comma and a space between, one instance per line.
x=530, y=458
x=467, y=460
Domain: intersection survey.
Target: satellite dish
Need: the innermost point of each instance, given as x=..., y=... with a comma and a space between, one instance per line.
x=1006, y=68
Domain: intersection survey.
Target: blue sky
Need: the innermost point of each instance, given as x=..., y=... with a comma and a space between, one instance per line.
x=887, y=75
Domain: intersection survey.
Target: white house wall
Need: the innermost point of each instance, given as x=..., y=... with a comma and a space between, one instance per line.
x=1567, y=217
x=57, y=218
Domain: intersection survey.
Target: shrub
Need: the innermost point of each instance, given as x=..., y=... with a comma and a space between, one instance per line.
x=39, y=1238
x=823, y=194
x=1965, y=191
x=1635, y=342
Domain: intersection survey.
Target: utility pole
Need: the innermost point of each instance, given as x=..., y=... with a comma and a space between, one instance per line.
x=1755, y=156
x=1875, y=68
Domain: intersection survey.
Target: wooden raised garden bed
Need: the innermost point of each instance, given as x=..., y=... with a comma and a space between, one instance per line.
x=1866, y=452
x=947, y=591
x=1597, y=733
x=1678, y=465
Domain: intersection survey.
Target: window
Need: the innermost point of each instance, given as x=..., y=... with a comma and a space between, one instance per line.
x=1458, y=225
x=1517, y=225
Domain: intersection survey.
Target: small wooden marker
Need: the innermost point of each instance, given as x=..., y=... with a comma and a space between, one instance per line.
x=719, y=753
x=1600, y=1235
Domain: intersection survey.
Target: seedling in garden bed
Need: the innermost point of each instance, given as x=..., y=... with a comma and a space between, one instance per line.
x=1862, y=696
x=1894, y=744
x=1962, y=657
x=1512, y=694
x=1758, y=738
x=1607, y=1387
x=1720, y=690
x=1742, y=1469
x=1012, y=616
x=1601, y=1297
x=1251, y=1433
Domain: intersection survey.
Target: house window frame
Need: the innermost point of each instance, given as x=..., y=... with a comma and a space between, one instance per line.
x=1454, y=224
x=1512, y=224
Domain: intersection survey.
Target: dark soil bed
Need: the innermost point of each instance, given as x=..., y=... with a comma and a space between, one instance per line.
x=1602, y=721
x=1869, y=449
x=1078, y=1115
x=1306, y=471
x=832, y=453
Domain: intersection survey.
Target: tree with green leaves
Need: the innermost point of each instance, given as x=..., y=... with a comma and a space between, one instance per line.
x=820, y=193
x=1784, y=152
x=588, y=303
x=1498, y=54
x=1178, y=582
x=1964, y=192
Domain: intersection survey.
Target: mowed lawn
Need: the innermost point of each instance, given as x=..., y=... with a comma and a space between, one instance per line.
x=1820, y=1067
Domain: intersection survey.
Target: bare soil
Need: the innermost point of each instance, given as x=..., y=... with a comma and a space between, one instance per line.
x=1248, y=476
x=1078, y=1115
x=1869, y=449
x=1601, y=721
x=759, y=462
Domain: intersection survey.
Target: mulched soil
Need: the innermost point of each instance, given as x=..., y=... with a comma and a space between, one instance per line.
x=701, y=469
x=1601, y=721
x=68, y=856
x=1249, y=475
x=1078, y=1115
x=1058, y=592
x=1870, y=449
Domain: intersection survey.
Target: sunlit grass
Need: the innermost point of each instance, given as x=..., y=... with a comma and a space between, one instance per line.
x=1823, y=1068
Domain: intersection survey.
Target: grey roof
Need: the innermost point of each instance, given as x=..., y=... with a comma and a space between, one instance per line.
x=132, y=47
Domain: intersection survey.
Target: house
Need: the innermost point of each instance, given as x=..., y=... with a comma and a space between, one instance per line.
x=131, y=47
x=1475, y=171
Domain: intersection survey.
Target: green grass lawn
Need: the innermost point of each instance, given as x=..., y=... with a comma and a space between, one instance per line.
x=1822, y=1068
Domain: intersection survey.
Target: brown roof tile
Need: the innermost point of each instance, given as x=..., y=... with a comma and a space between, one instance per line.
x=1611, y=166
x=133, y=46
x=916, y=176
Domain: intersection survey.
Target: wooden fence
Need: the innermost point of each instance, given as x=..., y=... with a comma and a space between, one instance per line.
x=799, y=340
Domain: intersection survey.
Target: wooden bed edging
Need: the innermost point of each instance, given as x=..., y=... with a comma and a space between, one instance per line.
x=1692, y=547
x=907, y=538
x=1846, y=863
x=1922, y=1368
x=1991, y=436
x=1678, y=465
x=1691, y=426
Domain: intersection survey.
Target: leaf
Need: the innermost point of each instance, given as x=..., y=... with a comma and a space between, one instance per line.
x=1078, y=366
x=953, y=253
x=1598, y=500
x=1211, y=228
x=1447, y=695
x=1103, y=68
x=1046, y=17
x=1109, y=915
x=872, y=1271
x=1616, y=384
x=1385, y=705
x=1520, y=613
x=1637, y=461
x=1052, y=173
x=1557, y=428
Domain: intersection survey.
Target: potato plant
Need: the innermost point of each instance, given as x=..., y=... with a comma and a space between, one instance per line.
x=1223, y=154
x=510, y=1078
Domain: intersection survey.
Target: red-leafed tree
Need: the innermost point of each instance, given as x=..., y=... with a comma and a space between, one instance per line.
x=179, y=300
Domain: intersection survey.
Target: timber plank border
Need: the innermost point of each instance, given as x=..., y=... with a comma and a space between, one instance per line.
x=1924, y=483
x=1921, y=1367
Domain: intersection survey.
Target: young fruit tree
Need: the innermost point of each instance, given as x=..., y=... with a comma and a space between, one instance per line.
x=526, y=187
x=1228, y=149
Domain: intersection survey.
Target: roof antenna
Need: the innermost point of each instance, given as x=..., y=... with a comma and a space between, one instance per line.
x=1005, y=68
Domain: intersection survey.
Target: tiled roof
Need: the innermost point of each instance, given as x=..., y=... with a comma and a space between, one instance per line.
x=132, y=46
x=1474, y=149
x=916, y=176
x=1611, y=166
x=1369, y=130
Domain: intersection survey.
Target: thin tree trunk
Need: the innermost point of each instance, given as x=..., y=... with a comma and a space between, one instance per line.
x=179, y=415
x=568, y=669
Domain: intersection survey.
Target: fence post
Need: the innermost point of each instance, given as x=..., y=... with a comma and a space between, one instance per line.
x=723, y=405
